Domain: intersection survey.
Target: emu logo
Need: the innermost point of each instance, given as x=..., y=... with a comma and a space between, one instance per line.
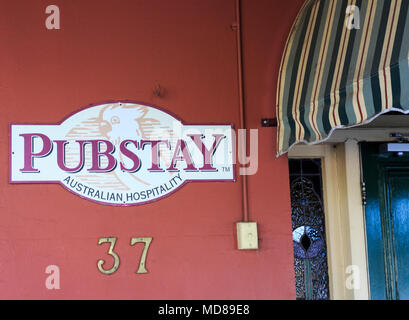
x=121, y=153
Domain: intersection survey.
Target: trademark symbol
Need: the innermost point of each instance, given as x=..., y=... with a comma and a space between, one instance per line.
x=226, y=169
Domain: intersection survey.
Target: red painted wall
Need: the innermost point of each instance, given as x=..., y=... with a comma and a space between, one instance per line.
x=109, y=50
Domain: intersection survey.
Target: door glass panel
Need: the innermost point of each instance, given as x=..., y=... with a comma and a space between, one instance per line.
x=308, y=225
x=398, y=181
x=386, y=178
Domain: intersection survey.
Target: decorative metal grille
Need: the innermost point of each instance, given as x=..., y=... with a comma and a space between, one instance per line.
x=308, y=224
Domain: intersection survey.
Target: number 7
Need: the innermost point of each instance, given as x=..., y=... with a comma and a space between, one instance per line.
x=147, y=241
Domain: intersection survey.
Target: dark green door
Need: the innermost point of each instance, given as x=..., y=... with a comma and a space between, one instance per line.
x=386, y=177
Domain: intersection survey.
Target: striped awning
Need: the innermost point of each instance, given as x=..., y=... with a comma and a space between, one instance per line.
x=339, y=72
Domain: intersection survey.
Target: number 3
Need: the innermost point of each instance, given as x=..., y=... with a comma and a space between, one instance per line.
x=111, y=252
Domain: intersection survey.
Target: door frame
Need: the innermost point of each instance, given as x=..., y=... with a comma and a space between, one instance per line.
x=345, y=235
x=384, y=252
x=343, y=205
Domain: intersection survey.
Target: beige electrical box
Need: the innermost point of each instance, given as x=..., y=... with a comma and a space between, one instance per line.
x=247, y=237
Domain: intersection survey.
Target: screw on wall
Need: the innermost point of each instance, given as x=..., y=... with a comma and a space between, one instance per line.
x=159, y=91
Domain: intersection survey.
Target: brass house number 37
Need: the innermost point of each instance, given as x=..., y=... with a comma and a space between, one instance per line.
x=112, y=240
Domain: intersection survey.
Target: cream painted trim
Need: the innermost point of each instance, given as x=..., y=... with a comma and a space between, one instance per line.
x=356, y=216
x=365, y=134
x=344, y=215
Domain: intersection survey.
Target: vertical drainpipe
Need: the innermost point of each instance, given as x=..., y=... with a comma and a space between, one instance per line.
x=237, y=28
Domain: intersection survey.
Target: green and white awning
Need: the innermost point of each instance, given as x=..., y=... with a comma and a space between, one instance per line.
x=338, y=71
